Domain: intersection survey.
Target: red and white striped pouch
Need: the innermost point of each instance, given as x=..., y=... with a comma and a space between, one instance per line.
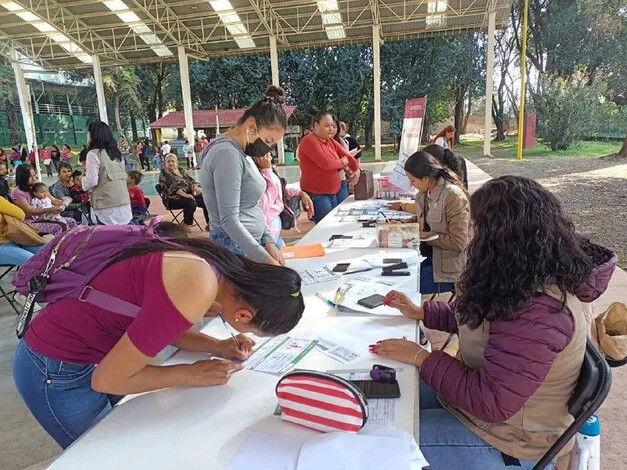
x=321, y=401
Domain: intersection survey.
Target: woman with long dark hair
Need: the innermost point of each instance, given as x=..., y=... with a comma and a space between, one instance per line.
x=231, y=184
x=323, y=162
x=442, y=209
x=55, y=363
x=105, y=177
x=522, y=332
x=25, y=179
x=451, y=161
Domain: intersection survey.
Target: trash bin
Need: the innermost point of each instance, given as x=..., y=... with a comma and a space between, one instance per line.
x=289, y=158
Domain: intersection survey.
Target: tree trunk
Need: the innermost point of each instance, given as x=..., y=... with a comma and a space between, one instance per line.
x=459, y=115
x=467, y=116
x=426, y=131
x=134, y=134
x=118, y=122
x=499, y=122
x=368, y=134
x=622, y=153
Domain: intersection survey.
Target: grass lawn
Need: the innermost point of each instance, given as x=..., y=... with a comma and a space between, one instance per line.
x=473, y=147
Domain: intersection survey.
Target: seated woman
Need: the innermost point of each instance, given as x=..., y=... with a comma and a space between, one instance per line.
x=181, y=191
x=25, y=179
x=11, y=252
x=276, y=198
x=63, y=189
x=522, y=333
x=442, y=209
x=55, y=363
x=322, y=161
x=451, y=161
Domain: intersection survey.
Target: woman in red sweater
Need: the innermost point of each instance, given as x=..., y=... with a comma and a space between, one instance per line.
x=321, y=160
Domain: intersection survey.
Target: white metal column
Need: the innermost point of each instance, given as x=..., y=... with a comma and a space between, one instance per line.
x=187, y=95
x=23, y=93
x=274, y=66
x=489, y=85
x=376, y=67
x=102, y=103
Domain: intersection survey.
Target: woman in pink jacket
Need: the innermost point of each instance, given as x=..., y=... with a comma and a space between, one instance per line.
x=522, y=333
x=274, y=199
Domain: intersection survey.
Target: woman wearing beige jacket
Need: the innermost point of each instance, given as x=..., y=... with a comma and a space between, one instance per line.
x=442, y=209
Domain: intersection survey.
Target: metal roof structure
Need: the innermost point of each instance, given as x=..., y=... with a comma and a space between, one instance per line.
x=204, y=118
x=66, y=34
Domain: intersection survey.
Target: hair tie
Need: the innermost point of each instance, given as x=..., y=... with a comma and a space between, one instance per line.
x=270, y=99
x=295, y=294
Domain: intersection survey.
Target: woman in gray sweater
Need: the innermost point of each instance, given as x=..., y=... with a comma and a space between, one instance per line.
x=232, y=185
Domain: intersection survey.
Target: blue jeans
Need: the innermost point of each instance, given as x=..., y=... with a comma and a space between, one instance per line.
x=428, y=284
x=12, y=253
x=59, y=394
x=342, y=193
x=447, y=444
x=223, y=239
x=323, y=204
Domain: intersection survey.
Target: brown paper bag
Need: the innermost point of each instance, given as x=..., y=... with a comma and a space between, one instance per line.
x=611, y=329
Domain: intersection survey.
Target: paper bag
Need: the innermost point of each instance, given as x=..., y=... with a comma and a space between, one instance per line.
x=611, y=329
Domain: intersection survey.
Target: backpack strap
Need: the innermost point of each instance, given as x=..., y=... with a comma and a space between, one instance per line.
x=105, y=301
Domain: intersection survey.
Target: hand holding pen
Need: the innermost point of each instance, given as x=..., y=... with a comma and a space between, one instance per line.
x=236, y=347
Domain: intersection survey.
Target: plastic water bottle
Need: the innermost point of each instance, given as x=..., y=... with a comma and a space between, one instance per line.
x=586, y=454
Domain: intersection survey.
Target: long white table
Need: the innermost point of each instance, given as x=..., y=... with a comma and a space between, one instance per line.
x=202, y=428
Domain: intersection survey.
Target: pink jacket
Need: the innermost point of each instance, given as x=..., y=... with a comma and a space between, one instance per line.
x=272, y=201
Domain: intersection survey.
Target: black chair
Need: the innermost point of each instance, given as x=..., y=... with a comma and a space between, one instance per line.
x=592, y=388
x=166, y=203
x=5, y=270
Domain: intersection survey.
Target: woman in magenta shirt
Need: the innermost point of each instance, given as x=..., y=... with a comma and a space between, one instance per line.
x=55, y=364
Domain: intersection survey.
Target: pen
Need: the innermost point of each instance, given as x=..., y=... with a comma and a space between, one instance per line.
x=338, y=293
x=358, y=271
x=230, y=331
x=384, y=216
x=328, y=302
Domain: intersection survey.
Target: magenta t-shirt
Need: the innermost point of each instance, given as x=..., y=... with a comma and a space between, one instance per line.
x=74, y=331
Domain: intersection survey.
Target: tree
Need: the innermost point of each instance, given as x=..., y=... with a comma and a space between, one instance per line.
x=122, y=86
x=8, y=97
x=505, y=47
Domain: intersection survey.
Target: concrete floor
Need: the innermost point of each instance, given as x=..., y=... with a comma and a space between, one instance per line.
x=24, y=445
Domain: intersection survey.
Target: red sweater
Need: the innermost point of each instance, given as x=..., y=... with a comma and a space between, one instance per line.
x=319, y=164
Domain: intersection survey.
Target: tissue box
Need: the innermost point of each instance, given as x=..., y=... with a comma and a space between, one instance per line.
x=398, y=235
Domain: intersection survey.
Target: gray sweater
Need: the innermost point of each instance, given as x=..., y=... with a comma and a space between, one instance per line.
x=232, y=187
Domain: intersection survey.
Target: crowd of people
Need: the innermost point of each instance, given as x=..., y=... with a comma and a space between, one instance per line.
x=512, y=258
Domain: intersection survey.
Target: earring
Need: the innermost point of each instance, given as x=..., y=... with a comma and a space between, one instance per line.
x=237, y=319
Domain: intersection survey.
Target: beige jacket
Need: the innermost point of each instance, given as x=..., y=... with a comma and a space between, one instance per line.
x=448, y=214
x=111, y=190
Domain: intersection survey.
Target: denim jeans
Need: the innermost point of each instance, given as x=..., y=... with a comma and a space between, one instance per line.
x=323, y=204
x=428, y=284
x=342, y=193
x=12, y=253
x=224, y=240
x=59, y=394
x=447, y=444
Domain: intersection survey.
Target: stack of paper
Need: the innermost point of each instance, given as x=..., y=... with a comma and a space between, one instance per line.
x=279, y=354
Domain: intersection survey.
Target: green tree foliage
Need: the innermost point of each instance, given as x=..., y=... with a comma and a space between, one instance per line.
x=9, y=99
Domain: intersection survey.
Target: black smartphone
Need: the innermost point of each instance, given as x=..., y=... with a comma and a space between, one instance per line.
x=341, y=267
x=340, y=237
x=372, y=301
x=374, y=389
x=392, y=260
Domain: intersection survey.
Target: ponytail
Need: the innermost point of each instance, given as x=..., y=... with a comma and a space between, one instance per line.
x=446, y=157
x=273, y=292
x=422, y=164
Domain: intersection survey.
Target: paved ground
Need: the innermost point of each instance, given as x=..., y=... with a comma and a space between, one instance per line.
x=25, y=446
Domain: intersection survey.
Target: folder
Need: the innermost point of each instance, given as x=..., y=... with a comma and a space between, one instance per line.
x=303, y=251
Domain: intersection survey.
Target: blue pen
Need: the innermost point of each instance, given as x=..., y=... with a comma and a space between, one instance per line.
x=232, y=335
x=328, y=302
x=358, y=271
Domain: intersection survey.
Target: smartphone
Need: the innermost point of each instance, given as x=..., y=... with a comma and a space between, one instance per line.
x=340, y=237
x=392, y=260
x=372, y=301
x=374, y=389
x=341, y=267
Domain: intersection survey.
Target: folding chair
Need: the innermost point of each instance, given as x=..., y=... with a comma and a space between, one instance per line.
x=434, y=294
x=166, y=203
x=592, y=388
x=5, y=270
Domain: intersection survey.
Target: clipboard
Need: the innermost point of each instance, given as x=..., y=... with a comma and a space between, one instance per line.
x=314, y=250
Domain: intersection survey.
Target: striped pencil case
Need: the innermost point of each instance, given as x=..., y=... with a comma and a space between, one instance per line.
x=321, y=401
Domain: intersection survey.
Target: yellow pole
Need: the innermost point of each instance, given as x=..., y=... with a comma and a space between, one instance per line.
x=523, y=60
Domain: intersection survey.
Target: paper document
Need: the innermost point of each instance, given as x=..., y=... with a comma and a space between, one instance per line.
x=317, y=276
x=355, y=242
x=360, y=288
x=263, y=451
x=279, y=354
x=337, y=352
x=303, y=251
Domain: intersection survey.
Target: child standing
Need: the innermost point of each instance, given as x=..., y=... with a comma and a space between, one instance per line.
x=139, y=202
x=41, y=200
